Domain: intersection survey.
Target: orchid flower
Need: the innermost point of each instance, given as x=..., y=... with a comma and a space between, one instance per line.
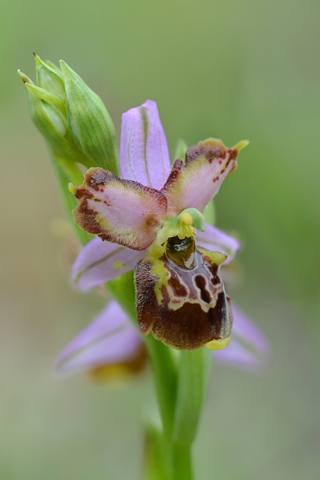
x=147, y=222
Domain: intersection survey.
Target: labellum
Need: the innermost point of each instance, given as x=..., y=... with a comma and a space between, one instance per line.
x=180, y=295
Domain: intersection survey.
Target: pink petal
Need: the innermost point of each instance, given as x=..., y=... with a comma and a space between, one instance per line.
x=249, y=348
x=236, y=355
x=101, y=261
x=144, y=155
x=216, y=240
x=110, y=339
x=194, y=184
x=119, y=211
x=247, y=331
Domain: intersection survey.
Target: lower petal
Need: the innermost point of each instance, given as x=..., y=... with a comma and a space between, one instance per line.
x=236, y=355
x=109, y=340
x=249, y=348
x=101, y=261
x=247, y=331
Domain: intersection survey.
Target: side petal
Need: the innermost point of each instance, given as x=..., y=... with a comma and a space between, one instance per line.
x=110, y=339
x=196, y=182
x=236, y=355
x=144, y=155
x=214, y=239
x=249, y=348
x=119, y=211
x=101, y=261
x=247, y=331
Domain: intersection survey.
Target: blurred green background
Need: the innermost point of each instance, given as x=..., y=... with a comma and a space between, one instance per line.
x=227, y=69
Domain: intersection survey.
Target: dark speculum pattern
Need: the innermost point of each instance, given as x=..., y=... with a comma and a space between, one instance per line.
x=184, y=305
x=181, y=251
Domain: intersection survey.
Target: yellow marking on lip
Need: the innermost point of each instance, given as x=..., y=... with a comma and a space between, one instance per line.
x=218, y=344
x=216, y=257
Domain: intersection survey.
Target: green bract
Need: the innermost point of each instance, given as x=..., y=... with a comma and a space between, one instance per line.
x=71, y=117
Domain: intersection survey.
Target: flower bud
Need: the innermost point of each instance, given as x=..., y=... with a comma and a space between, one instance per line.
x=89, y=121
x=51, y=122
x=71, y=117
x=49, y=77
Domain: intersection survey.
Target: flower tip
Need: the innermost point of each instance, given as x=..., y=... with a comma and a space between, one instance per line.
x=72, y=188
x=149, y=103
x=64, y=66
x=65, y=69
x=241, y=145
x=24, y=77
x=218, y=344
x=38, y=60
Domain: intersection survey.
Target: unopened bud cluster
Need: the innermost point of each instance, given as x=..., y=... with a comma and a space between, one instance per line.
x=71, y=117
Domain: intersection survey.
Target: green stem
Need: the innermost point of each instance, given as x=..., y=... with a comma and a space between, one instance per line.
x=155, y=461
x=66, y=172
x=180, y=395
x=193, y=380
x=164, y=377
x=162, y=364
x=165, y=380
x=182, y=462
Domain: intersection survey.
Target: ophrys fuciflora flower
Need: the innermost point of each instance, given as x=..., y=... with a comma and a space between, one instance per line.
x=147, y=221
